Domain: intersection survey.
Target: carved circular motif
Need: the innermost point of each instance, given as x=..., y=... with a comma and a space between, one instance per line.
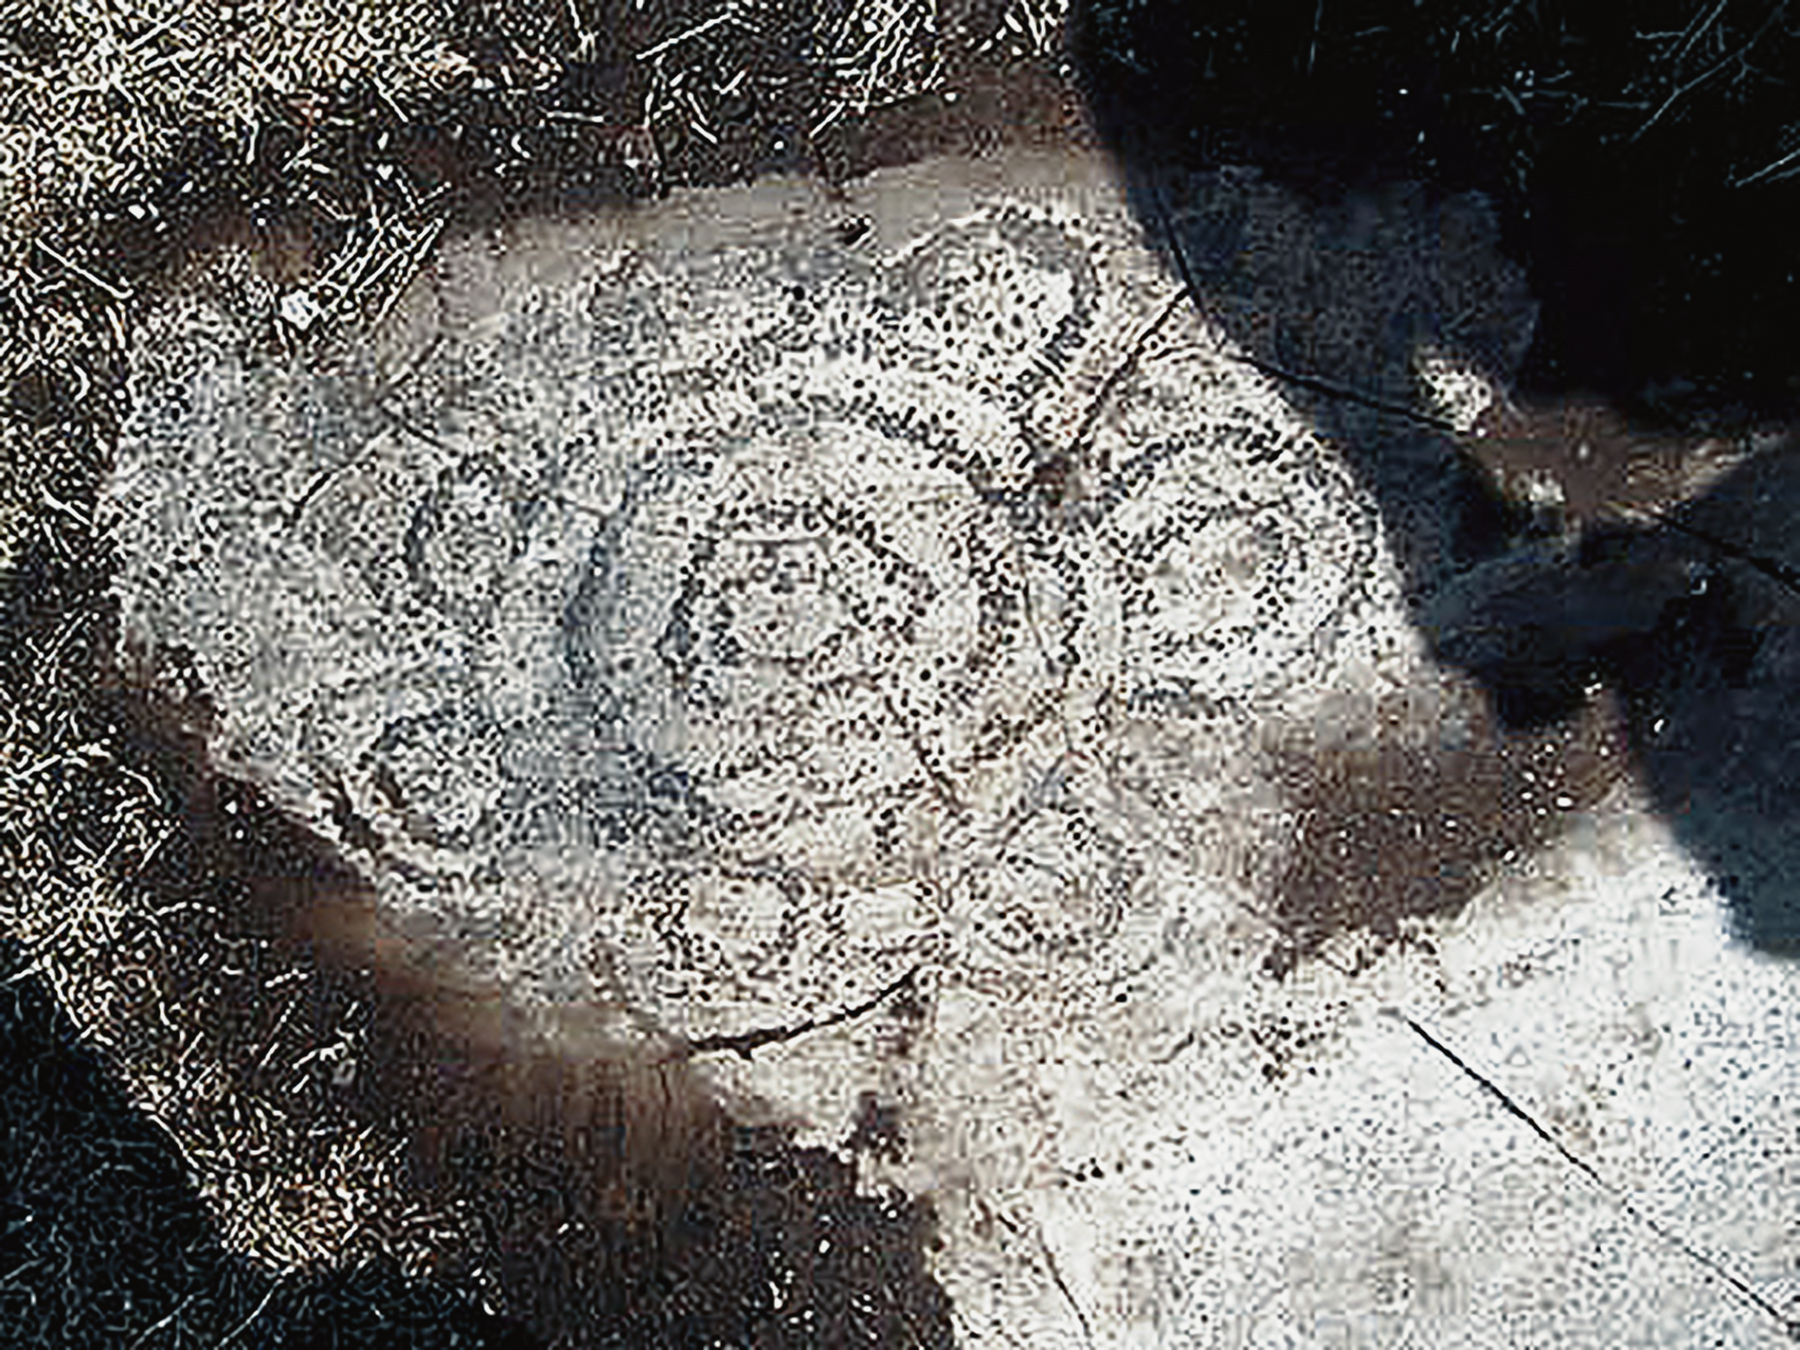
x=775, y=614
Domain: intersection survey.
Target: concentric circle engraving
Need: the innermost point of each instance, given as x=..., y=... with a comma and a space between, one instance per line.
x=780, y=617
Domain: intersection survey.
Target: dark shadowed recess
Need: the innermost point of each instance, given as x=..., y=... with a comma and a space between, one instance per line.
x=723, y=1235
x=1644, y=163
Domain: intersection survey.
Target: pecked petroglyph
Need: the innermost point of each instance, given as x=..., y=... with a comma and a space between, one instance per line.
x=785, y=617
x=706, y=619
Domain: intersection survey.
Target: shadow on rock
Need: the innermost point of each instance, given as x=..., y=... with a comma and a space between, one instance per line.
x=1634, y=155
x=1695, y=623
x=1567, y=200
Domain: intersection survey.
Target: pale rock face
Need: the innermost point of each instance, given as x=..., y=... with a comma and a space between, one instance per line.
x=700, y=586
x=720, y=612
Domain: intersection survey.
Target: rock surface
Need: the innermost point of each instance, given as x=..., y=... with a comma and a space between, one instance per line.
x=889, y=629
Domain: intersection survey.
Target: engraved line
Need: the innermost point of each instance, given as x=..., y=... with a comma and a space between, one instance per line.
x=743, y=1044
x=1716, y=1267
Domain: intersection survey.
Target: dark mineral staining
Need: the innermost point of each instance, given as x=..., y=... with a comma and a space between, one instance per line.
x=1399, y=827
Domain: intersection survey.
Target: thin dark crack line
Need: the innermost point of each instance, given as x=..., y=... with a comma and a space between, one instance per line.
x=1331, y=389
x=1090, y=418
x=745, y=1043
x=1716, y=1267
x=1165, y=219
x=1317, y=384
x=1785, y=577
x=1087, y=1331
x=1056, y=1275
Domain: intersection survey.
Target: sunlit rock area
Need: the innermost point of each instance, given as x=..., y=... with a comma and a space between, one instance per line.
x=902, y=662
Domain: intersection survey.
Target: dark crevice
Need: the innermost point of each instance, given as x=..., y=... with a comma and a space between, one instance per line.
x=745, y=1043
